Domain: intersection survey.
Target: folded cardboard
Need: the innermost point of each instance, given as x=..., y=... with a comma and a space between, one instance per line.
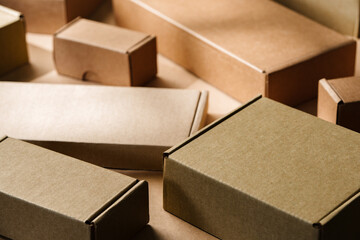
x=13, y=51
x=339, y=102
x=99, y=52
x=241, y=48
x=343, y=16
x=47, y=16
x=267, y=171
x=112, y=127
x=46, y=195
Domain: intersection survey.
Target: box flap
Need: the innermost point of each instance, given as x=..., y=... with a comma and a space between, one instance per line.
x=8, y=16
x=348, y=89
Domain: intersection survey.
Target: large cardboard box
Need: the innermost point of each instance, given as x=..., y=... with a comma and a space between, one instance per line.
x=47, y=16
x=99, y=52
x=45, y=195
x=339, y=102
x=267, y=171
x=114, y=127
x=242, y=47
x=343, y=16
x=13, y=51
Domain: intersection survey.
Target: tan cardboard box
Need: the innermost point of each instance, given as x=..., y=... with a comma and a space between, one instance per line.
x=99, y=52
x=47, y=16
x=267, y=171
x=45, y=195
x=339, y=102
x=113, y=127
x=343, y=16
x=242, y=47
x=13, y=51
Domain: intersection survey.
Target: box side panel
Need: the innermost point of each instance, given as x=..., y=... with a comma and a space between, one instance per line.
x=218, y=68
x=75, y=8
x=22, y=220
x=126, y=216
x=91, y=63
x=298, y=83
x=224, y=211
x=327, y=106
x=349, y=116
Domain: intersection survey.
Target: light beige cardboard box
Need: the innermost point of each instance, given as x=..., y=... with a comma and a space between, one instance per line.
x=339, y=102
x=267, y=171
x=99, y=52
x=47, y=16
x=13, y=51
x=46, y=195
x=242, y=47
x=343, y=16
x=113, y=127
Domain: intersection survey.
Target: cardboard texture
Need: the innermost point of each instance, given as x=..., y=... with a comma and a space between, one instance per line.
x=47, y=16
x=13, y=51
x=267, y=170
x=339, y=102
x=113, y=127
x=99, y=52
x=51, y=196
x=241, y=48
x=340, y=15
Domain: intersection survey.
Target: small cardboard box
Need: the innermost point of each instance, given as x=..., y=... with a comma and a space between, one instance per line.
x=240, y=47
x=13, y=51
x=47, y=16
x=99, y=52
x=267, y=171
x=339, y=102
x=45, y=195
x=115, y=127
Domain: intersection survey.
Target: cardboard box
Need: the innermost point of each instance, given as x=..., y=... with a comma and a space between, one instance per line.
x=267, y=171
x=99, y=52
x=13, y=52
x=46, y=195
x=241, y=48
x=47, y=16
x=340, y=15
x=339, y=102
x=113, y=127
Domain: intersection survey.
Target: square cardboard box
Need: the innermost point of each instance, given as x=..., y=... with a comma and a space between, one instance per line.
x=245, y=48
x=45, y=195
x=99, y=52
x=267, y=171
x=339, y=102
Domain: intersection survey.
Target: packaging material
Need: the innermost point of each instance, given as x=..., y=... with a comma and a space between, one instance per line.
x=343, y=16
x=13, y=51
x=339, y=102
x=241, y=48
x=115, y=127
x=99, y=52
x=45, y=195
x=267, y=170
x=47, y=16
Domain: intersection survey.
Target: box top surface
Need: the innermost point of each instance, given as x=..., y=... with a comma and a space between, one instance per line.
x=56, y=182
x=249, y=30
x=97, y=114
x=8, y=16
x=348, y=89
x=101, y=35
x=290, y=160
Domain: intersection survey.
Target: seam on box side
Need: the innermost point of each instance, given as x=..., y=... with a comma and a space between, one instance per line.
x=194, y=115
x=199, y=113
x=267, y=85
x=130, y=69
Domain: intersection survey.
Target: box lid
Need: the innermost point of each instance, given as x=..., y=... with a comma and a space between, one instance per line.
x=101, y=35
x=262, y=34
x=348, y=89
x=8, y=16
x=295, y=162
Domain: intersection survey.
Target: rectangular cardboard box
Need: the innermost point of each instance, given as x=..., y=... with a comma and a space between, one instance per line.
x=13, y=51
x=339, y=102
x=240, y=47
x=47, y=16
x=115, y=127
x=267, y=171
x=340, y=15
x=99, y=52
x=45, y=195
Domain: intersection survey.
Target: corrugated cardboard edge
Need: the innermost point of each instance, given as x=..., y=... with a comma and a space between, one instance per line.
x=200, y=113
